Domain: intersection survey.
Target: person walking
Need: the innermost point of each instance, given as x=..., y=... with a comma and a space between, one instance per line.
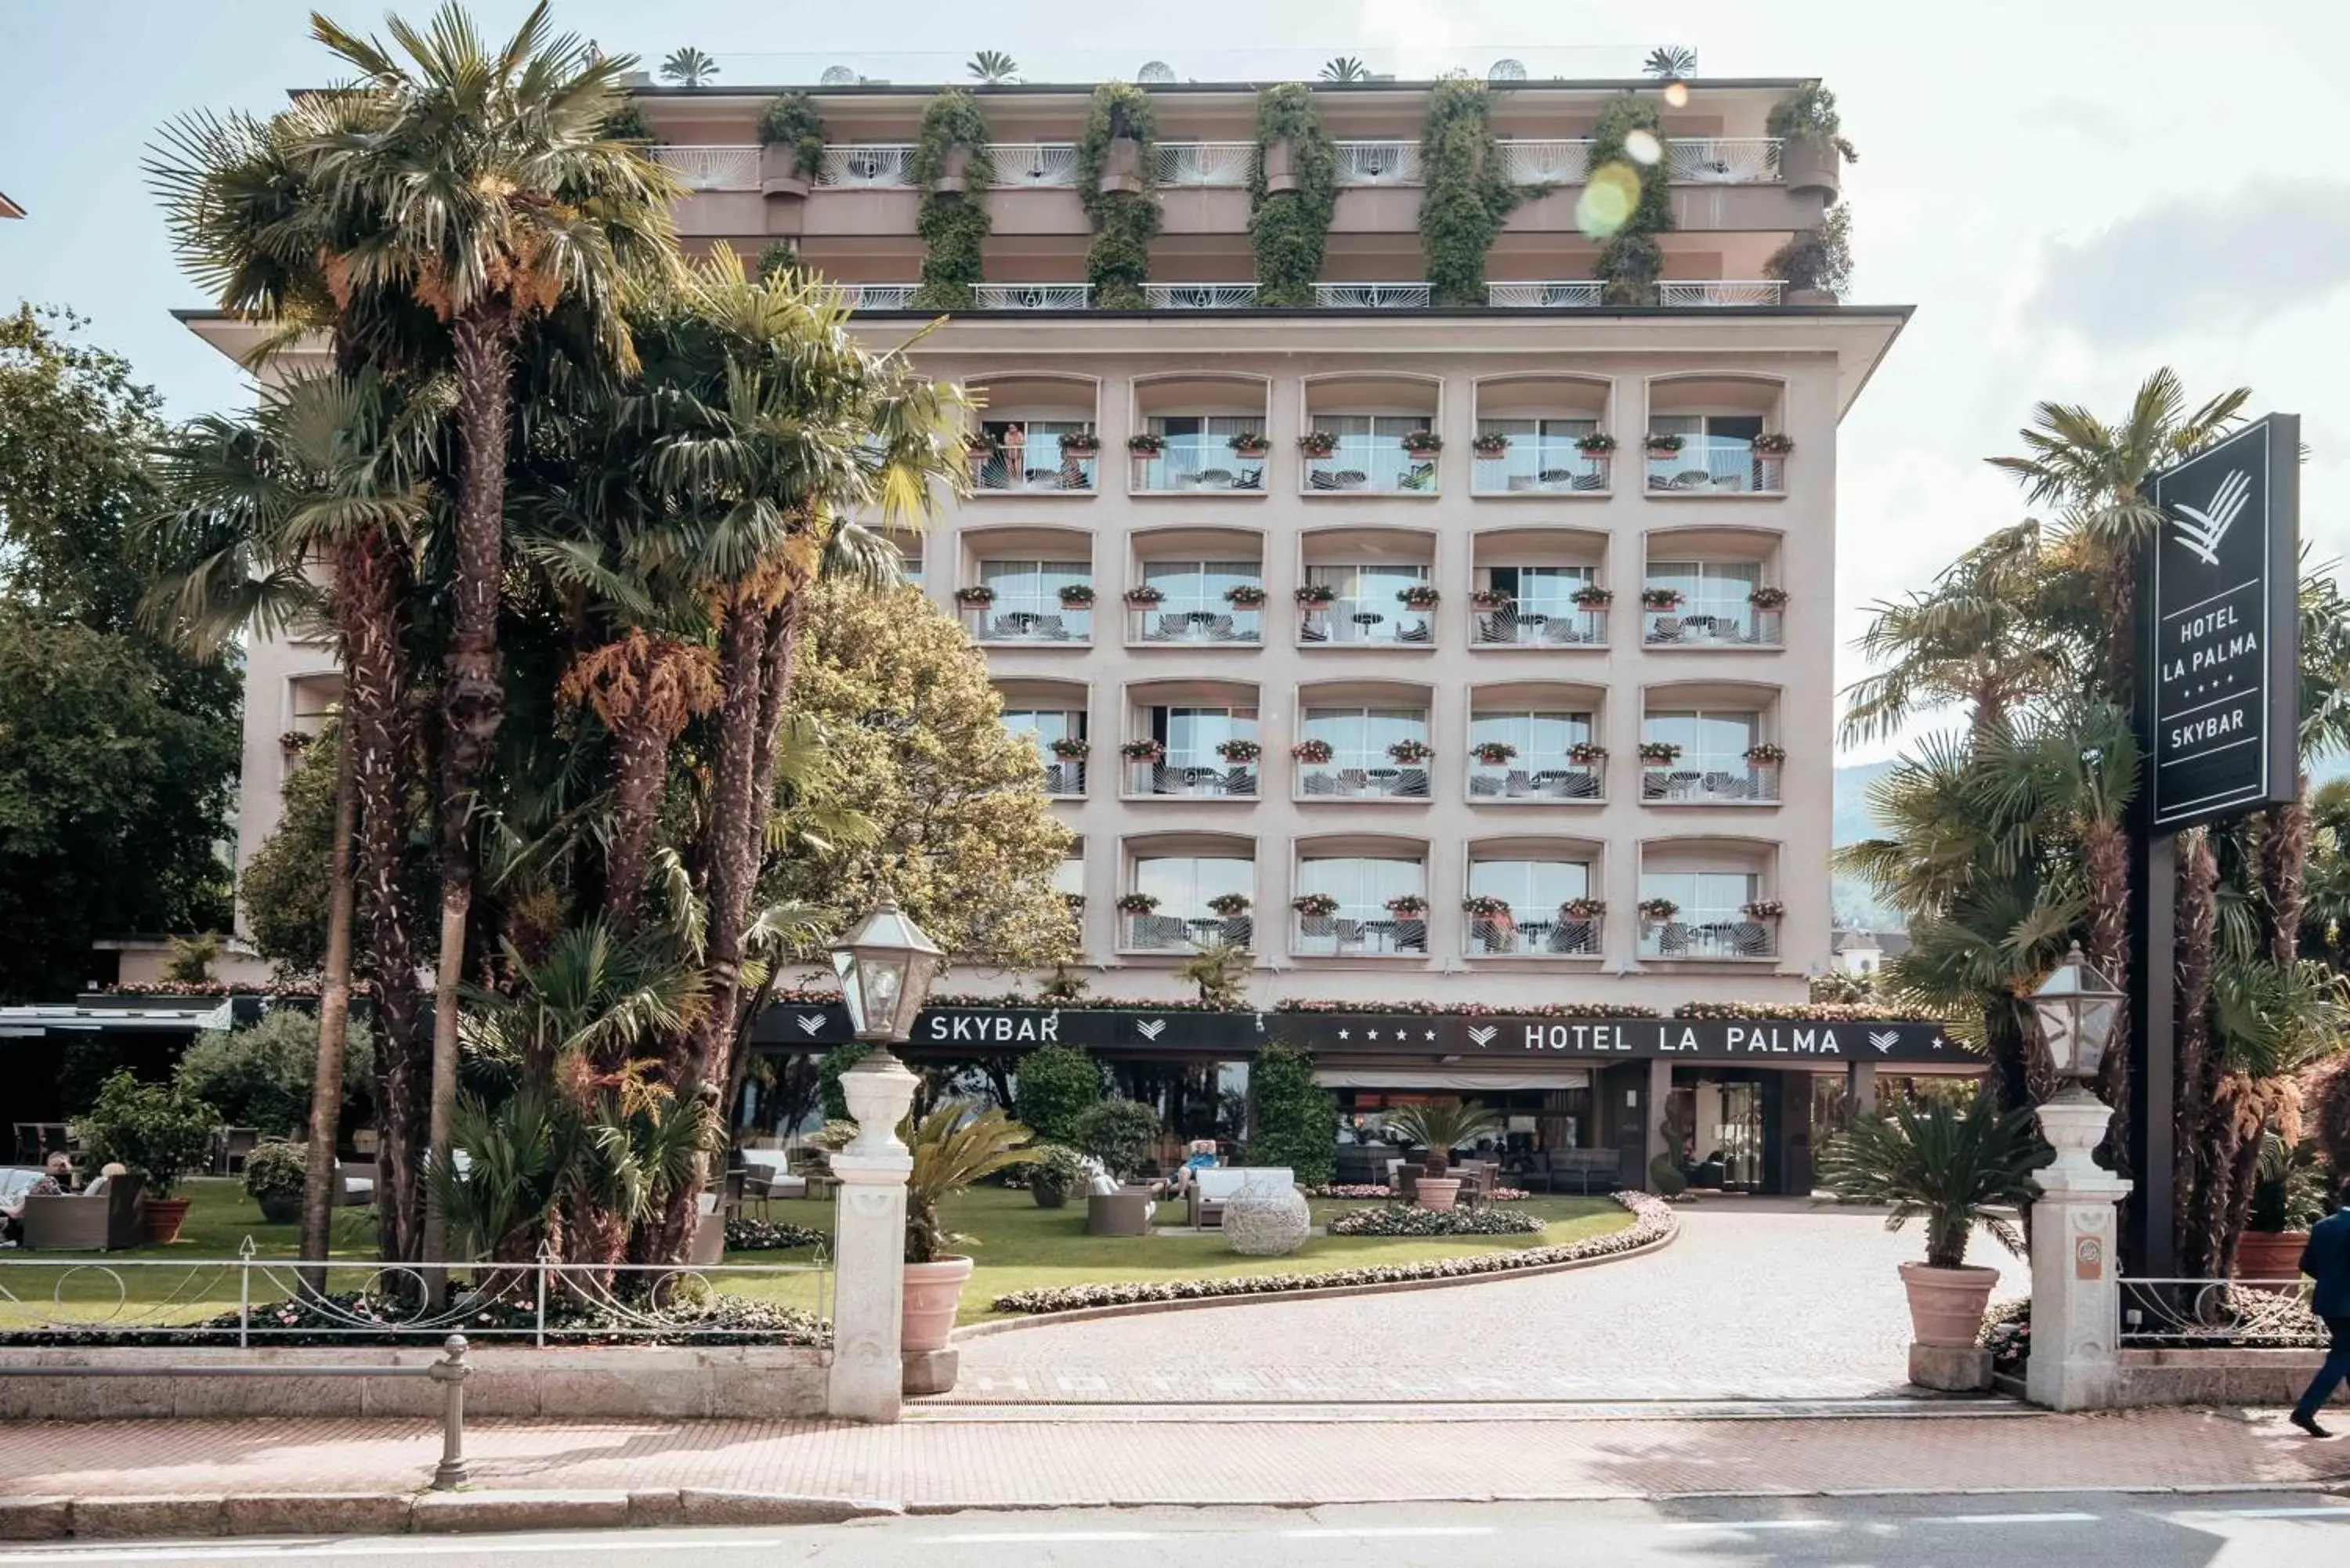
x=2326, y=1259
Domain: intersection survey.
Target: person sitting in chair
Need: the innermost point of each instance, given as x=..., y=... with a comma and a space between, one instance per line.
x=56, y=1181
x=1201, y=1155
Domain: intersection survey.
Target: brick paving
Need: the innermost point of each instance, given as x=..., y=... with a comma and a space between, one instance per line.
x=1758, y=1299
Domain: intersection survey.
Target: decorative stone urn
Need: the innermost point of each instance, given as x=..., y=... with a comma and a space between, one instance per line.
x=779, y=170
x=1266, y=1221
x=1811, y=163
x=933, y=1292
x=1439, y=1191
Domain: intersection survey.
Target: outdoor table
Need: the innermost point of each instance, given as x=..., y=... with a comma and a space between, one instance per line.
x=1368, y=618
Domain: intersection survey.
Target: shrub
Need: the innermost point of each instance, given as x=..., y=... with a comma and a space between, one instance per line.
x=1294, y=1120
x=1405, y=1220
x=161, y=1132
x=1057, y=1168
x=766, y=1236
x=1055, y=1085
x=1954, y=1168
x=274, y=1171
x=1467, y=196
x=1666, y=1172
x=261, y=1078
x=793, y=118
x=1119, y=1134
x=1289, y=232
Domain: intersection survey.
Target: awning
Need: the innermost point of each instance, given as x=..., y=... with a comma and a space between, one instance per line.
x=1405, y=1078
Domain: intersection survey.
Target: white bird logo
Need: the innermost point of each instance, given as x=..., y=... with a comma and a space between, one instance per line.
x=810, y=1022
x=2202, y=535
x=1483, y=1035
x=1150, y=1028
x=1883, y=1039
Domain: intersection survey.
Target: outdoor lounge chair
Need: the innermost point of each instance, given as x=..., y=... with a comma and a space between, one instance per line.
x=1211, y=1189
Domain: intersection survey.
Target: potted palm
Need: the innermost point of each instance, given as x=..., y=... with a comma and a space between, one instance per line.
x=952, y=1149
x=1956, y=1169
x=2288, y=1197
x=1437, y=1128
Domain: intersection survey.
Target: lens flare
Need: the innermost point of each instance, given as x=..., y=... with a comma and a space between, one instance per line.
x=1609, y=194
x=1676, y=94
x=1643, y=145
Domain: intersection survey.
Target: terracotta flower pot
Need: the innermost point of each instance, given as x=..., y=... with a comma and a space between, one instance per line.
x=1946, y=1305
x=2271, y=1256
x=933, y=1291
x=164, y=1217
x=1439, y=1191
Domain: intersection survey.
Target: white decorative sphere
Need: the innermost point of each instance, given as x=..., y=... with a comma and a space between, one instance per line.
x=1507, y=72
x=837, y=76
x=1157, y=71
x=1267, y=1220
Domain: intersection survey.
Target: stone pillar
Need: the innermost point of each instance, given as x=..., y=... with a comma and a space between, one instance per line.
x=1860, y=1088
x=867, y=1377
x=2076, y=1262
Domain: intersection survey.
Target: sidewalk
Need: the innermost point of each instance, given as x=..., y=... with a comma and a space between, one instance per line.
x=210, y=1477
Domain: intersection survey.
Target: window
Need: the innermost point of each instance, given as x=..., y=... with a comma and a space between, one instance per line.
x=1069, y=877
x=1192, y=734
x=1702, y=898
x=1366, y=609
x=1198, y=585
x=1198, y=442
x=1360, y=737
x=1710, y=742
x=1030, y=588
x=1542, y=590
x=1541, y=739
x=1184, y=883
x=1371, y=454
x=1531, y=888
x=1716, y=589
x=1043, y=726
x=1363, y=884
x=1710, y=429
x=1560, y=434
x=1716, y=453
x=1363, y=429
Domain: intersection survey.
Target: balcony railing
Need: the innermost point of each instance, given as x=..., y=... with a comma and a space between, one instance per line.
x=1195, y=625
x=1198, y=295
x=879, y=295
x=1719, y=291
x=1723, y=160
x=715, y=168
x=1541, y=466
x=1381, y=781
x=1347, y=934
x=1377, y=465
x=1202, y=163
x=1032, y=295
x=1042, y=470
x=1717, y=465
x=1215, y=780
x=1028, y=621
x=1730, y=939
x=884, y=165
x=1518, y=627
x=1377, y=163
x=1546, y=163
x=1065, y=778
x=1371, y=296
x=1740, y=625
x=1042, y=163
x=1708, y=784
x=1493, y=782
x=1554, y=937
x=1370, y=621
x=1550, y=293
x=1157, y=933
x=1187, y=466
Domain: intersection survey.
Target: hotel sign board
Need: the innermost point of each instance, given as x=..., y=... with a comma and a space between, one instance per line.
x=2219, y=648
x=1450, y=1038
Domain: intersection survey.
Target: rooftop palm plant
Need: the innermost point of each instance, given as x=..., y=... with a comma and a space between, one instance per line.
x=1955, y=1169
x=1345, y=68
x=1671, y=62
x=688, y=68
x=992, y=67
x=1442, y=1126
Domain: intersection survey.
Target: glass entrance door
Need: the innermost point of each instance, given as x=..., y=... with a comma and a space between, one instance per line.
x=1741, y=1137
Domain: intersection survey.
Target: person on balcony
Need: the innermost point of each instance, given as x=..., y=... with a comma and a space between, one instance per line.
x=2326, y=1259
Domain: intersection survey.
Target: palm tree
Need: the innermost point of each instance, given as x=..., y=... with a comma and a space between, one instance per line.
x=1671, y=62
x=993, y=66
x=1440, y=1127
x=484, y=191
x=1345, y=68
x=1955, y=1169
x=645, y=688
x=952, y=1149
x=688, y=67
x=1220, y=971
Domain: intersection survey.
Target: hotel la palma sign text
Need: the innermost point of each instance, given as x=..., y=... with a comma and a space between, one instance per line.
x=2219, y=644
x=1140, y=1032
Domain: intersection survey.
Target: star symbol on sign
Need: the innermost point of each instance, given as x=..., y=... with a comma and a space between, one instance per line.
x=1937, y=1043
x=1431, y=1034
x=1342, y=1035
x=1370, y=1034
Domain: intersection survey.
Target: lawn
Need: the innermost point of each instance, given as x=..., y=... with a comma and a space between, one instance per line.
x=1017, y=1246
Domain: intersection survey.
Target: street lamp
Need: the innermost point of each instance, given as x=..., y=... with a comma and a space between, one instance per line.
x=885, y=967
x=2077, y=1007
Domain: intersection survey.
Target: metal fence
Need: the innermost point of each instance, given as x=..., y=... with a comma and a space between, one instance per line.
x=2218, y=1313
x=250, y=1300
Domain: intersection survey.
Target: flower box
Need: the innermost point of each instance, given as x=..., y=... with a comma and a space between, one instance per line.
x=1582, y=909
x=1314, y=906
x=1774, y=443
x=1075, y=901
x=1244, y=595
x=1494, y=753
x=1767, y=599
x=1422, y=443
x=979, y=448
x=1591, y=596
x=1080, y=443
x=1490, y=445
x=1657, y=911
x=1317, y=443
x=1411, y=750
x=1492, y=599
x=1135, y=903
x=1659, y=752
x=975, y=596
x=1072, y=748
x=1663, y=445
x=1766, y=754
x=1239, y=751
x=1148, y=444
x=1408, y=906
x=1077, y=596
x=295, y=740
x=1484, y=907
x=1419, y=596
x=1145, y=594
x=1249, y=443
x=1586, y=754
x=1316, y=594
x=1660, y=599
x=1311, y=752
x=1229, y=905
x=1765, y=909
x=1143, y=752
x=1598, y=443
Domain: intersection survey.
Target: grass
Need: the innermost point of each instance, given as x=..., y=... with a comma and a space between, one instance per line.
x=1015, y=1245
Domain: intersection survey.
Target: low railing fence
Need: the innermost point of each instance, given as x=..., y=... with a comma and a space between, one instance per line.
x=2217, y=1314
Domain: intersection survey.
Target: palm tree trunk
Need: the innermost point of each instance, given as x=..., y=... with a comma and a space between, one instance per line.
x=2284, y=863
x=318, y=1183
x=2199, y=878
x=639, y=765
x=2105, y=854
x=472, y=697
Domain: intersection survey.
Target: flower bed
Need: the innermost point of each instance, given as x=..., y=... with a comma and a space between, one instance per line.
x=1653, y=1221
x=766, y=1236
x=1360, y=1190
x=1405, y=1220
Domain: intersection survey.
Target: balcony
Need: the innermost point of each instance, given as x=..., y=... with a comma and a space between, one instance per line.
x=713, y=167
x=1156, y=933
x=1363, y=623
x=1050, y=165
x=1541, y=466
x=1550, y=295
x=1029, y=622
x=1719, y=291
x=1371, y=296
x=1198, y=295
x=1211, y=780
x=1368, y=465
x=1172, y=625
x=1016, y=469
x=1718, y=940
x=1514, y=627
x=1546, y=163
x=1708, y=783
x=1713, y=626
x=1065, y=779
x=1199, y=468
x=1359, y=780
x=1717, y=465
x=1722, y=160
x=871, y=165
x=1500, y=783
x=1556, y=935
x=1203, y=165
x=1377, y=163
x=1357, y=934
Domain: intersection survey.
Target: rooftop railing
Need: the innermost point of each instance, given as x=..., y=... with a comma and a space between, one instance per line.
x=1371, y=296
x=1198, y=295
x=1377, y=163
x=1202, y=163
x=1719, y=291
x=1550, y=293
x=715, y=168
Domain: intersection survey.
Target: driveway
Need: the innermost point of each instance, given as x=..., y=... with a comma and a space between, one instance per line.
x=1768, y=1299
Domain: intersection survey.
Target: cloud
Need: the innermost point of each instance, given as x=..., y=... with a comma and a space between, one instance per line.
x=2192, y=268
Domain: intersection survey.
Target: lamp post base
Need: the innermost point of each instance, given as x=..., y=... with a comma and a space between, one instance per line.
x=2075, y=1263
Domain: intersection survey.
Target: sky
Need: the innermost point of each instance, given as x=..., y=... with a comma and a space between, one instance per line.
x=2071, y=193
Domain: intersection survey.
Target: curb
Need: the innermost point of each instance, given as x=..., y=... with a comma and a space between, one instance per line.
x=1322, y=1292
x=39, y=1519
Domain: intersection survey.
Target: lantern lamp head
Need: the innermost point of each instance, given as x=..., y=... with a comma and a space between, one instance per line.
x=885, y=967
x=2077, y=1008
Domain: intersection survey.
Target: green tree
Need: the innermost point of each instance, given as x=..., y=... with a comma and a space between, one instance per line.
x=1055, y=1086
x=261, y=1076
x=1295, y=1120
x=1118, y=1133
x=1469, y=193
x=285, y=891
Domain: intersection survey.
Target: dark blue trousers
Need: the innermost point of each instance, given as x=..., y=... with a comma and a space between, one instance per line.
x=2331, y=1375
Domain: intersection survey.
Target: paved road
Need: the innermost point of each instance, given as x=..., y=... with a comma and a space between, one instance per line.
x=2079, y=1530
x=1759, y=1299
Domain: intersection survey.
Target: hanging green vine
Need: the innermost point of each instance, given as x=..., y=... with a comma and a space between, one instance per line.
x=1817, y=259
x=1117, y=263
x=1289, y=231
x=953, y=224
x=1629, y=201
x=1467, y=196
x=793, y=118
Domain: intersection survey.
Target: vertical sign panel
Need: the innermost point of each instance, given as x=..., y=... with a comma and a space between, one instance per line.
x=2219, y=655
